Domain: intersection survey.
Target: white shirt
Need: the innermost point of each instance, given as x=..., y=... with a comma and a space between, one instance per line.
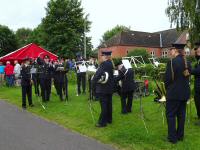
x=17, y=69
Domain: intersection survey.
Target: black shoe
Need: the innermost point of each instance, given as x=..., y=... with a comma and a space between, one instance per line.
x=109, y=122
x=100, y=125
x=172, y=141
x=180, y=139
x=24, y=107
x=124, y=112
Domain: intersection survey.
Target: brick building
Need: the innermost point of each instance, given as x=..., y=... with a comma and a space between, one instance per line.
x=157, y=44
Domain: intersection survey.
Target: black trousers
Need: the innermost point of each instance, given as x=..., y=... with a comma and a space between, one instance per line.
x=106, y=109
x=197, y=102
x=81, y=80
x=175, y=109
x=66, y=87
x=26, y=91
x=36, y=82
x=126, y=101
x=45, y=84
x=60, y=89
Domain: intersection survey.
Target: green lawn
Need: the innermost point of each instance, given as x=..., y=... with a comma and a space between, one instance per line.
x=127, y=131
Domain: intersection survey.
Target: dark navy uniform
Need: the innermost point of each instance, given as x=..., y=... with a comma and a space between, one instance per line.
x=104, y=92
x=61, y=79
x=81, y=79
x=127, y=88
x=196, y=73
x=26, y=85
x=45, y=76
x=35, y=77
x=178, y=92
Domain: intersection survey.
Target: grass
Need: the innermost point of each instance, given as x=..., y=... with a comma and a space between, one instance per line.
x=127, y=132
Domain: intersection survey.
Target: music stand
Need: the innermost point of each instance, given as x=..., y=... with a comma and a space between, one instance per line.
x=162, y=102
x=189, y=109
x=142, y=116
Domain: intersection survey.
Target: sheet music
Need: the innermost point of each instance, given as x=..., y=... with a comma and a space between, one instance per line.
x=91, y=68
x=82, y=68
x=126, y=63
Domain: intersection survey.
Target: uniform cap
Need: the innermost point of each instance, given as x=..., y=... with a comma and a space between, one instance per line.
x=106, y=53
x=178, y=46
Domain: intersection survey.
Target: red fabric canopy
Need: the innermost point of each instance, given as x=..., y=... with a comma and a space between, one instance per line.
x=30, y=50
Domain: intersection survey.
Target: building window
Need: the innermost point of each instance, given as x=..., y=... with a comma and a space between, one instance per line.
x=164, y=53
x=153, y=53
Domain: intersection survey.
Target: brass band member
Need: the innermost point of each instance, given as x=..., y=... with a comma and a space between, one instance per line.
x=45, y=76
x=196, y=73
x=126, y=78
x=104, y=90
x=81, y=77
x=26, y=83
x=178, y=92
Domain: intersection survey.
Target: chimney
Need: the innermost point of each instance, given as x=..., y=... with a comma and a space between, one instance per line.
x=161, y=44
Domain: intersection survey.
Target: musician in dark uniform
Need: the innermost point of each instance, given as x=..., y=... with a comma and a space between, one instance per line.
x=126, y=79
x=81, y=76
x=35, y=77
x=26, y=83
x=66, y=70
x=178, y=92
x=60, y=75
x=104, y=90
x=45, y=77
x=196, y=73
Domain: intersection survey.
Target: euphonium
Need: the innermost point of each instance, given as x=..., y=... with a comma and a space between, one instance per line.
x=160, y=92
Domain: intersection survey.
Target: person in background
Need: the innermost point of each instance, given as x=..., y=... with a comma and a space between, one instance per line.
x=81, y=76
x=9, y=72
x=178, y=92
x=46, y=69
x=17, y=69
x=196, y=73
x=2, y=73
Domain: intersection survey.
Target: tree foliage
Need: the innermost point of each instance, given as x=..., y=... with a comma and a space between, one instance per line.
x=8, y=42
x=22, y=36
x=63, y=27
x=114, y=31
x=183, y=14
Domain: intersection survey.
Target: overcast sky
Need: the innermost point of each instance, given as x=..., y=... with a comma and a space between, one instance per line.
x=140, y=15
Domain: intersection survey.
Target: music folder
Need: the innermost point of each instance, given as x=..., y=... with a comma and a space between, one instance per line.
x=126, y=64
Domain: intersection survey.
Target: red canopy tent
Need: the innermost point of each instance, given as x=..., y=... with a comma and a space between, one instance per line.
x=31, y=50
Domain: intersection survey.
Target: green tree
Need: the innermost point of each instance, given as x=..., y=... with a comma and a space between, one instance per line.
x=8, y=42
x=140, y=52
x=63, y=27
x=114, y=31
x=38, y=36
x=184, y=14
x=22, y=36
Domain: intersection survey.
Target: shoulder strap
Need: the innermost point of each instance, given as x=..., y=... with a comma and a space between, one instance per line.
x=172, y=71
